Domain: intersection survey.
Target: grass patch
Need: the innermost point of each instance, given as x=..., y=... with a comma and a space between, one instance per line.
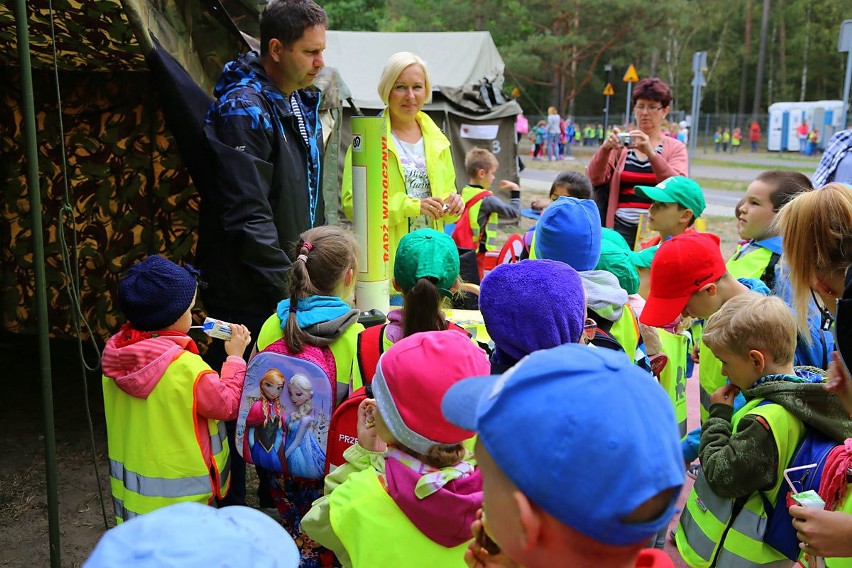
x=804, y=168
x=722, y=184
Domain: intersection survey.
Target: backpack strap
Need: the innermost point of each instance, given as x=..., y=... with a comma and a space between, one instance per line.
x=768, y=276
x=370, y=348
x=464, y=230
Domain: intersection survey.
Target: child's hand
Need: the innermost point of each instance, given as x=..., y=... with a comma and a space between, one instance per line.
x=368, y=438
x=696, y=349
x=725, y=395
x=510, y=185
x=476, y=556
x=540, y=204
x=240, y=339
x=839, y=382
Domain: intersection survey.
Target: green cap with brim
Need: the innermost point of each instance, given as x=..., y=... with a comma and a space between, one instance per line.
x=642, y=258
x=427, y=253
x=677, y=189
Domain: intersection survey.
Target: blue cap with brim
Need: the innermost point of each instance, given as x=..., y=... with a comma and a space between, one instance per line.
x=592, y=418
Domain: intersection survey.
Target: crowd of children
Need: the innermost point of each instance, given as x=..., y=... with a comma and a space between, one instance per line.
x=562, y=442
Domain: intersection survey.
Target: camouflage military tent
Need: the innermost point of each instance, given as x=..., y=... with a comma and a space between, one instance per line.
x=128, y=187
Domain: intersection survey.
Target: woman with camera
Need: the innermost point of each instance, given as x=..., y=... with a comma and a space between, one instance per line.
x=641, y=156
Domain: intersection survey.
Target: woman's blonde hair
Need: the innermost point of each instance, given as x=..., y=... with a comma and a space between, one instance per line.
x=817, y=230
x=396, y=64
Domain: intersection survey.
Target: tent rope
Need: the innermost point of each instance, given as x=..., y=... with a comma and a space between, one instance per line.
x=72, y=271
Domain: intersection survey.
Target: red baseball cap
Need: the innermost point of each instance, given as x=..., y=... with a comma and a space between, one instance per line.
x=682, y=265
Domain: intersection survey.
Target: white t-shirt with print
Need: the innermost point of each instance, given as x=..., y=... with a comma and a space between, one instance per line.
x=413, y=159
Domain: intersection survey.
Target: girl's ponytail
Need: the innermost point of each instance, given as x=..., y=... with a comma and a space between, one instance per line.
x=323, y=257
x=422, y=308
x=300, y=287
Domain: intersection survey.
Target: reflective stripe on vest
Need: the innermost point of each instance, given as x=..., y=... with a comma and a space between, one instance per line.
x=751, y=265
x=365, y=518
x=710, y=378
x=701, y=532
x=156, y=458
x=673, y=376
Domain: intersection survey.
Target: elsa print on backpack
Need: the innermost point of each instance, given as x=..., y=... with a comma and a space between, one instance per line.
x=284, y=415
x=303, y=452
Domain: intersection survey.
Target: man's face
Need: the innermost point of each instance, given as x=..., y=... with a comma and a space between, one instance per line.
x=297, y=65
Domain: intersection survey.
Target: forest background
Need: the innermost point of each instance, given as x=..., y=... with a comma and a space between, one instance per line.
x=758, y=51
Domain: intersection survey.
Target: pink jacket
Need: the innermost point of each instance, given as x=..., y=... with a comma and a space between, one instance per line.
x=606, y=165
x=137, y=364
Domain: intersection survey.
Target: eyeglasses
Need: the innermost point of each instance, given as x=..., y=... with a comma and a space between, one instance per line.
x=589, y=328
x=643, y=108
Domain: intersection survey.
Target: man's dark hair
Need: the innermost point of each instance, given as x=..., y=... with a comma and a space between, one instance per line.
x=287, y=20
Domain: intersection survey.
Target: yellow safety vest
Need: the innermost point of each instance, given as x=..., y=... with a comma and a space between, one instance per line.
x=625, y=330
x=375, y=532
x=155, y=459
x=343, y=348
x=710, y=378
x=468, y=193
x=751, y=265
x=709, y=535
x=673, y=377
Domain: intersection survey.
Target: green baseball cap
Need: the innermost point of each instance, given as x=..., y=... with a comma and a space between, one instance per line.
x=615, y=259
x=427, y=253
x=677, y=189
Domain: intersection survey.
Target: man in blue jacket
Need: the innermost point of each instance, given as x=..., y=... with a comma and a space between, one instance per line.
x=264, y=143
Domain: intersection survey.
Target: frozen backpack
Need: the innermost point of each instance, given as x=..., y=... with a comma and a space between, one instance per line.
x=285, y=411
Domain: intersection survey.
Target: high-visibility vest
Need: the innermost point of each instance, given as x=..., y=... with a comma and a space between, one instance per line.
x=846, y=507
x=709, y=534
x=625, y=330
x=751, y=265
x=375, y=532
x=343, y=348
x=710, y=378
x=468, y=193
x=673, y=376
x=155, y=458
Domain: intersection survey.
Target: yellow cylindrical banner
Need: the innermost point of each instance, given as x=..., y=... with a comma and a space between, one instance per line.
x=370, y=209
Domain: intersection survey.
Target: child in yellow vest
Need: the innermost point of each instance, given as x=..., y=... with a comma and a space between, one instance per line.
x=482, y=207
x=315, y=324
x=744, y=453
x=759, y=255
x=409, y=490
x=164, y=405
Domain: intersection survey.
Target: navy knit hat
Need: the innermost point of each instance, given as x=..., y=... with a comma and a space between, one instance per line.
x=156, y=292
x=532, y=305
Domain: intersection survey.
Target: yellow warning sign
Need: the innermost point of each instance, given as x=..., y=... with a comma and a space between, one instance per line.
x=608, y=90
x=631, y=76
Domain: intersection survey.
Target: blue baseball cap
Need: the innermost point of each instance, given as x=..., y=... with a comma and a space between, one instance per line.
x=189, y=535
x=569, y=231
x=582, y=432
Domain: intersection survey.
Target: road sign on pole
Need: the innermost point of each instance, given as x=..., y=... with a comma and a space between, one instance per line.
x=630, y=77
x=608, y=92
x=699, y=66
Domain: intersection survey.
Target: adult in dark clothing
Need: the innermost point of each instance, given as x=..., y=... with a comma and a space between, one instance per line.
x=817, y=231
x=265, y=148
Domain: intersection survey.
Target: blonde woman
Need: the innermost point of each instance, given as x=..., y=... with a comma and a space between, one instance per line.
x=817, y=231
x=421, y=178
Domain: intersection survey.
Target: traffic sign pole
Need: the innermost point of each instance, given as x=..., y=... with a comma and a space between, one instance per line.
x=608, y=92
x=630, y=77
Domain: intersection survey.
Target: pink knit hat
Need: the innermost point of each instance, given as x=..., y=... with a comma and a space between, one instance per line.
x=411, y=380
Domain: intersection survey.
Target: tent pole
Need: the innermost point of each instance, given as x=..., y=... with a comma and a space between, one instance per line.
x=34, y=192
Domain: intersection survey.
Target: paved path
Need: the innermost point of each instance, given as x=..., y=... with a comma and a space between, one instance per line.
x=720, y=202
